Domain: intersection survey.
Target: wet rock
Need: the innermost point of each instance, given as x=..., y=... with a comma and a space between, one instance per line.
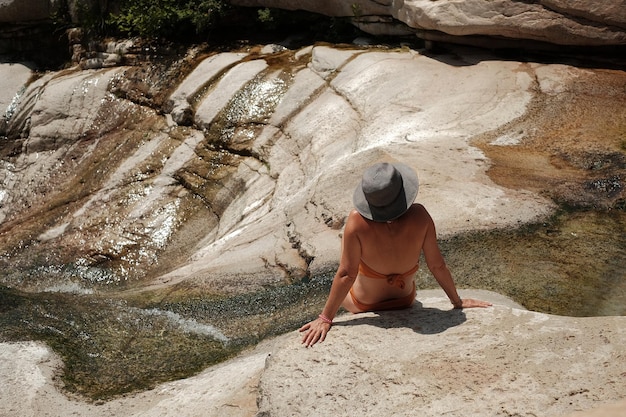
x=183, y=98
x=329, y=125
x=225, y=90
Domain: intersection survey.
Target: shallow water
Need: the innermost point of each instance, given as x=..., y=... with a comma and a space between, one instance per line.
x=116, y=345
x=574, y=264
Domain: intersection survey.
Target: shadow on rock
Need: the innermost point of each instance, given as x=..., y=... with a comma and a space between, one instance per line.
x=423, y=320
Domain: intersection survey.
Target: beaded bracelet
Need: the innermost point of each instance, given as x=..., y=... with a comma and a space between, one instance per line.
x=325, y=319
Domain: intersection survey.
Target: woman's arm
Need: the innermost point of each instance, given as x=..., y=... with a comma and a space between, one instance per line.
x=439, y=269
x=345, y=276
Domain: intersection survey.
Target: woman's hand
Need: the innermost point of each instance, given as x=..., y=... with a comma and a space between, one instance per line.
x=315, y=332
x=471, y=303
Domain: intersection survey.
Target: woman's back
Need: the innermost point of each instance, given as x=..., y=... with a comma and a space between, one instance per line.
x=393, y=247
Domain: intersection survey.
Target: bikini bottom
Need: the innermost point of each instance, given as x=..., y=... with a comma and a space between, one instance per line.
x=393, y=304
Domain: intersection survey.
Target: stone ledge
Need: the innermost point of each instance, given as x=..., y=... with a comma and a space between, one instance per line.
x=435, y=361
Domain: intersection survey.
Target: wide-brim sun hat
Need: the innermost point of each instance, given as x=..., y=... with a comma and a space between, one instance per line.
x=386, y=191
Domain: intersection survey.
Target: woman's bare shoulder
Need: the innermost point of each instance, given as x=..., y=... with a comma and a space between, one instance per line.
x=418, y=209
x=355, y=220
x=419, y=214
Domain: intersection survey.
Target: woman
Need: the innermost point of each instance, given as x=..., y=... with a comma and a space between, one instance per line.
x=381, y=248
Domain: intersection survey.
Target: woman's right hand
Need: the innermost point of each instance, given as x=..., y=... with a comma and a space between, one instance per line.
x=471, y=303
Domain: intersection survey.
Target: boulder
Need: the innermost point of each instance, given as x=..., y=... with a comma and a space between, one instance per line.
x=513, y=20
x=344, y=110
x=12, y=85
x=33, y=11
x=558, y=22
x=263, y=169
x=15, y=11
x=484, y=22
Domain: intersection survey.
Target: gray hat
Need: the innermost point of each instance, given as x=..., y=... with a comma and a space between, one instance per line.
x=386, y=191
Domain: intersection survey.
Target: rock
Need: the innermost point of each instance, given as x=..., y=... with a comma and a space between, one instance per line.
x=432, y=361
x=62, y=122
x=487, y=23
x=510, y=19
x=610, y=410
x=225, y=90
x=12, y=85
x=93, y=180
x=246, y=167
x=65, y=108
x=13, y=11
x=179, y=103
x=225, y=390
x=613, y=13
x=559, y=22
x=344, y=110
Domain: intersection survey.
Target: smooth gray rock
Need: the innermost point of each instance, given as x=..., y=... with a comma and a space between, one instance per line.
x=269, y=195
x=560, y=22
x=431, y=360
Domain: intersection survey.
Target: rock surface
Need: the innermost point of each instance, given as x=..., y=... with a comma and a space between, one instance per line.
x=486, y=22
x=261, y=181
x=243, y=164
x=12, y=11
x=434, y=361
x=560, y=22
x=252, y=195
x=428, y=360
x=330, y=125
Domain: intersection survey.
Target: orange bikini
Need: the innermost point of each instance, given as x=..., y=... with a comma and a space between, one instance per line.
x=392, y=279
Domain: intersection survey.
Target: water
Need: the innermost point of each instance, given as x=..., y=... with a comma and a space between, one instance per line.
x=113, y=345
x=573, y=265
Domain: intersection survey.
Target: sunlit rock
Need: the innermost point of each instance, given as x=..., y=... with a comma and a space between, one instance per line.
x=432, y=361
x=183, y=99
x=244, y=170
x=429, y=360
x=94, y=178
x=12, y=86
x=581, y=22
x=343, y=111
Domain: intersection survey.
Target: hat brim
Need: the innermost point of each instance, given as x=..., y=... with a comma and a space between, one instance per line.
x=410, y=186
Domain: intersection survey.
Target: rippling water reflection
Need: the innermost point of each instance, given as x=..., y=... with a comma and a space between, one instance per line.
x=116, y=345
